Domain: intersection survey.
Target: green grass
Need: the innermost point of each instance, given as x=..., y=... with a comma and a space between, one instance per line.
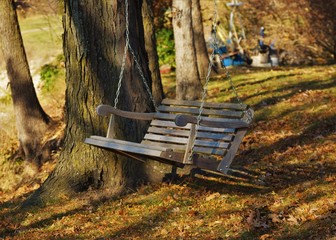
x=287, y=191
x=42, y=34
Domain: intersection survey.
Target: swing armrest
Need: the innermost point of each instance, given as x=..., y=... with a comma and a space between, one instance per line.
x=182, y=120
x=105, y=110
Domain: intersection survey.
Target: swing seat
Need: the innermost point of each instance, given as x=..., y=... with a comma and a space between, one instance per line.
x=175, y=137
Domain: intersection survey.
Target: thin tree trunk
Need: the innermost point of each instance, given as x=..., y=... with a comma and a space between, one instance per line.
x=200, y=45
x=31, y=121
x=188, y=84
x=153, y=59
x=94, y=41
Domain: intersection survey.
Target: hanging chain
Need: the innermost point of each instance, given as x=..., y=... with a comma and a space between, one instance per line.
x=124, y=57
x=247, y=112
x=207, y=79
x=143, y=77
x=129, y=48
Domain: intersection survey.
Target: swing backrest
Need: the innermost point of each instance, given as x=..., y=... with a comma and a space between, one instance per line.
x=211, y=141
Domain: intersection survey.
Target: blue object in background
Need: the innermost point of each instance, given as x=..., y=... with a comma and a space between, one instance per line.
x=235, y=60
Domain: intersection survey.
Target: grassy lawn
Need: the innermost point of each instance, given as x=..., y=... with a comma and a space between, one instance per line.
x=285, y=187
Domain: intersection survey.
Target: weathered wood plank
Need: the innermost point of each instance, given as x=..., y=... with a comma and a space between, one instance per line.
x=168, y=124
x=190, y=144
x=195, y=111
x=210, y=151
x=236, y=106
x=118, y=141
x=177, y=140
x=182, y=120
x=105, y=110
x=185, y=133
x=125, y=146
x=224, y=165
x=213, y=144
x=176, y=147
x=163, y=138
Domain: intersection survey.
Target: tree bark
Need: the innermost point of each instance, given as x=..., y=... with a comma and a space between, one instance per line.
x=188, y=84
x=94, y=41
x=200, y=45
x=150, y=41
x=31, y=120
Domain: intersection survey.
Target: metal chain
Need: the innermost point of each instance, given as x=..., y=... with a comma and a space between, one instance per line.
x=124, y=56
x=247, y=112
x=142, y=77
x=130, y=49
x=207, y=79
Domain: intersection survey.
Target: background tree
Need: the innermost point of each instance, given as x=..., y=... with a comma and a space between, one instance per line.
x=94, y=41
x=150, y=41
x=188, y=84
x=200, y=45
x=31, y=121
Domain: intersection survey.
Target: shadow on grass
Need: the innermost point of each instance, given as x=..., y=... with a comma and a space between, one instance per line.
x=293, y=88
x=287, y=174
x=320, y=229
x=16, y=215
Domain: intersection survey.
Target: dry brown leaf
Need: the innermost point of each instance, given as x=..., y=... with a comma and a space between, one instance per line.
x=292, y=220
x=212, y=196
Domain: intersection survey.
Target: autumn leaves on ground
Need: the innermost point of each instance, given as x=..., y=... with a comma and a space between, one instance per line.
x=284, y=188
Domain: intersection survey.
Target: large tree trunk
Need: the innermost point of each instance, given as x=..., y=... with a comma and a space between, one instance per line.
x=31, y=121
x=94, y=40
x=188, y=84
x=200, y=45
x=153, y=59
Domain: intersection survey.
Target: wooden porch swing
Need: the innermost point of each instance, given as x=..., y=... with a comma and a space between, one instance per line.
x=206, y=135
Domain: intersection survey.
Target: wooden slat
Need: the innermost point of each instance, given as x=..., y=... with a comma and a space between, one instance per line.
x=177, y=140
x=174, y=102
x=195, y=111
x=105, y=110
x=210, y=151
x=176, y=147
x=118, y=141
x=140, y=149
x=163, y=138
x=161, y=123
x=217, y=144
x=190, y=144
x=185, y=133
x=182, y=120
x=228, y=158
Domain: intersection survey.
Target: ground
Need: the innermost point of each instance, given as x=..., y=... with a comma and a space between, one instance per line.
x=283, y=187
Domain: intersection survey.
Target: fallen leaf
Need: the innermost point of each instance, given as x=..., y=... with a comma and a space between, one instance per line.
x=292, y=220
x=212, y=196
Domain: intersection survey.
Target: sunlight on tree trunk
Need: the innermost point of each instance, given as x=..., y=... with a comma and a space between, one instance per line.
x=188, y=84
x=200, y=45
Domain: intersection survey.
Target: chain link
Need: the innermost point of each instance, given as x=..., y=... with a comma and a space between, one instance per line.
x=130, y=49
x=207, y=79
x=124, y=57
